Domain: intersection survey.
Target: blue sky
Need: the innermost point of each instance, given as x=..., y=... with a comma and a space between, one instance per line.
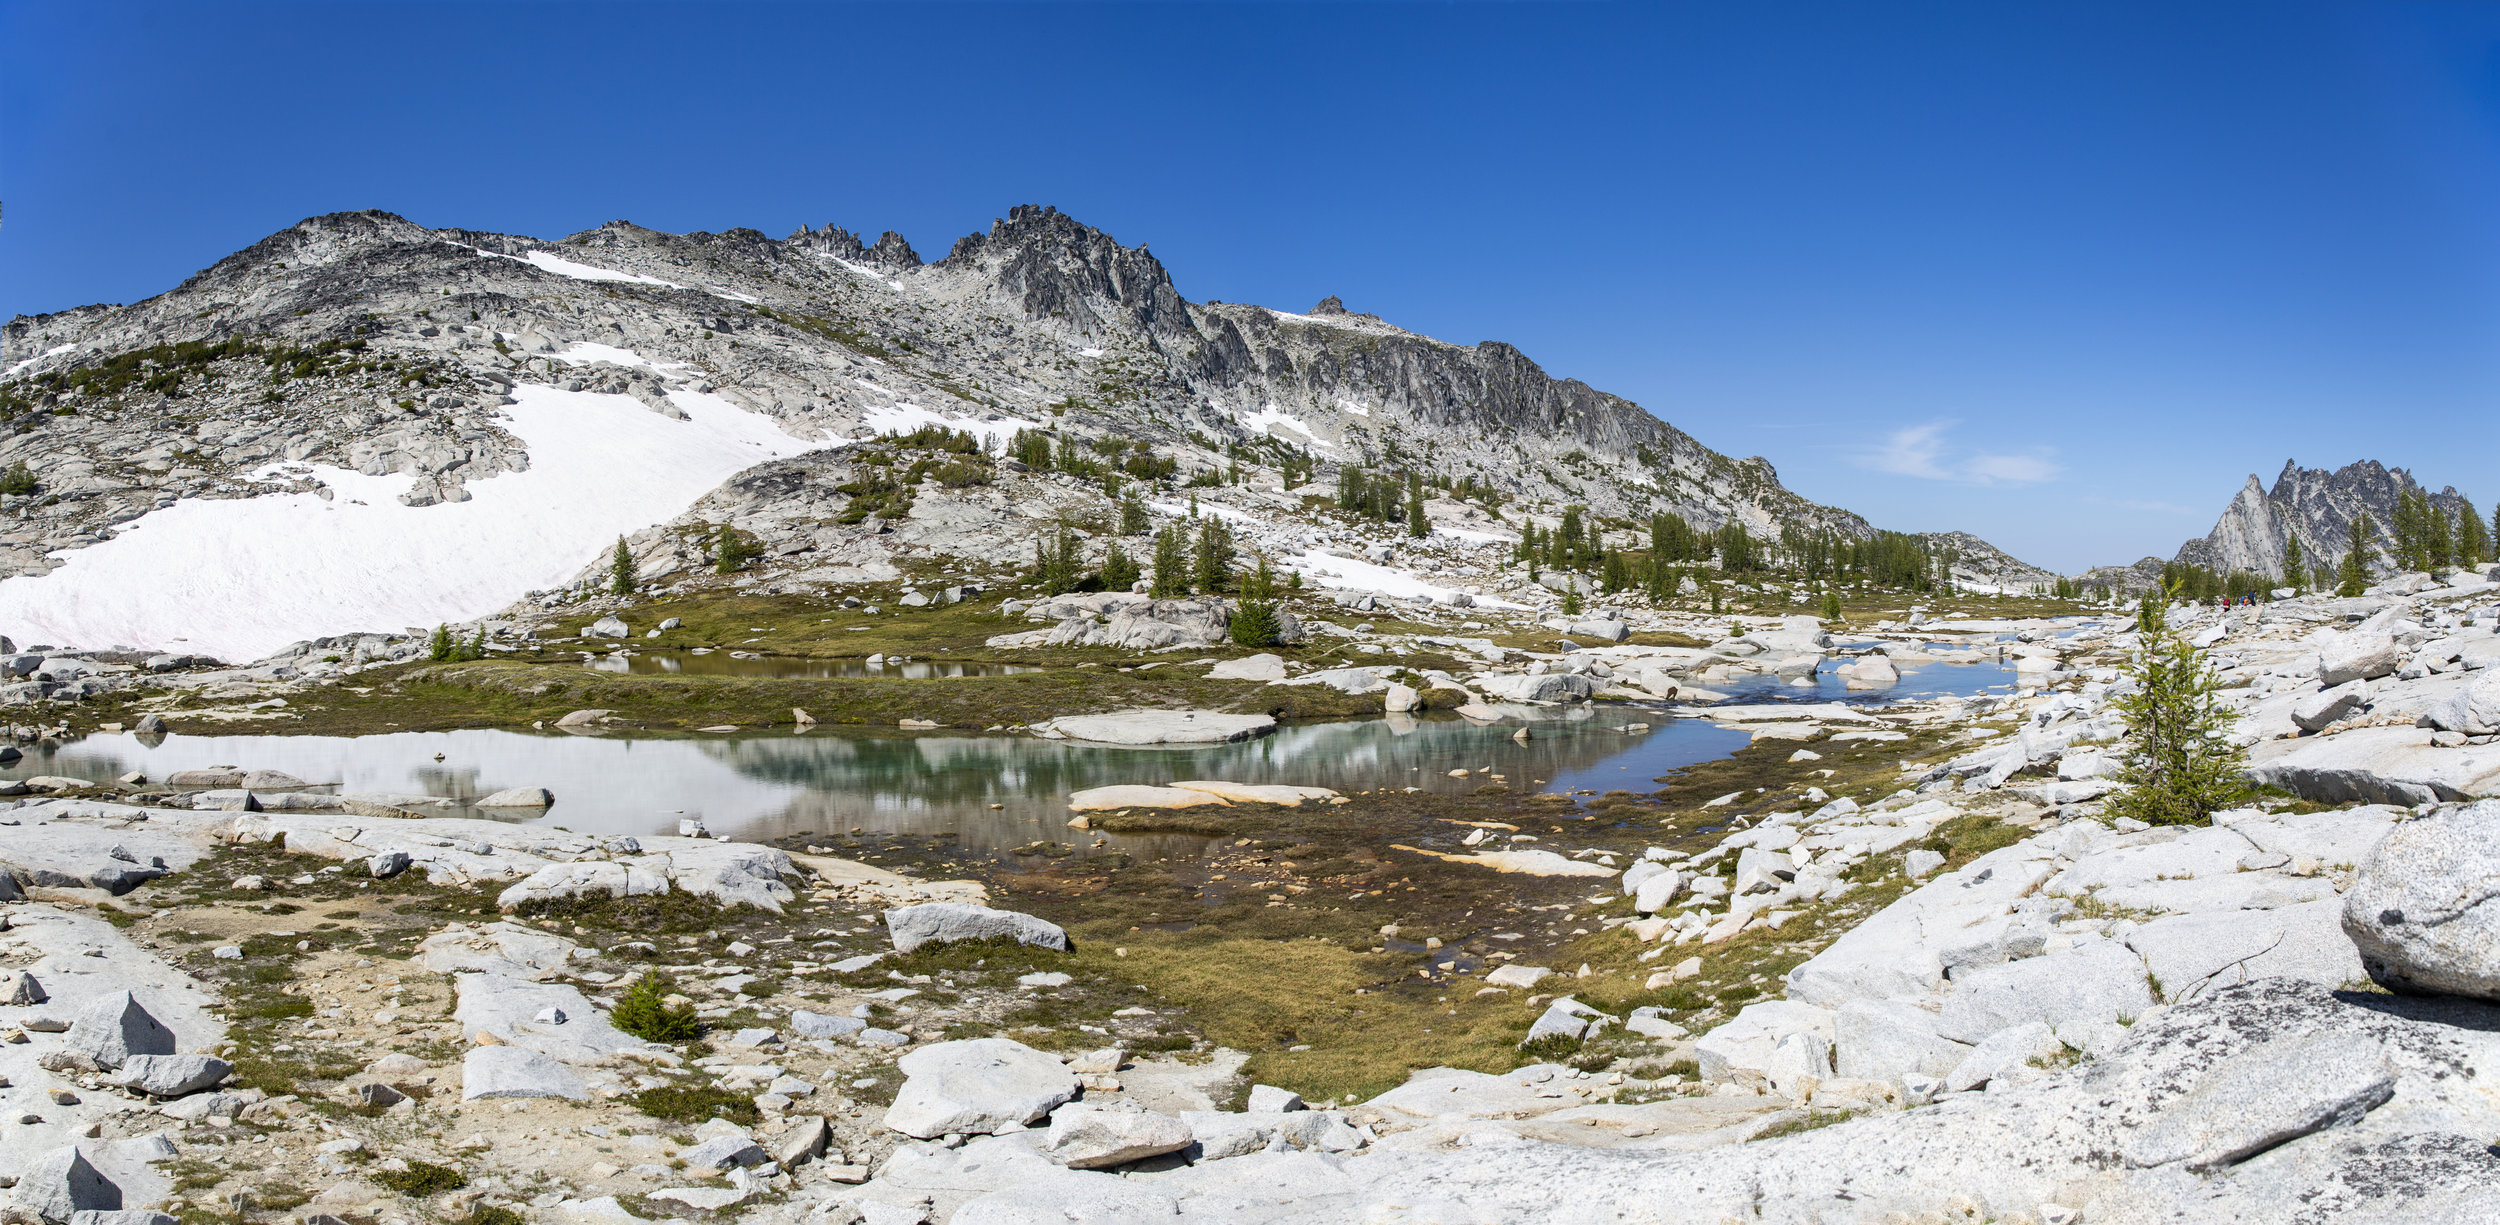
x=2060, y=275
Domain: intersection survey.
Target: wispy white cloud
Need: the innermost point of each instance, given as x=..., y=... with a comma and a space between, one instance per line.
x=1927, y=453
x=1912, y=451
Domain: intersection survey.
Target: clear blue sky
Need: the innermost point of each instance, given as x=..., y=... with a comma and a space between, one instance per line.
x=2060, y=275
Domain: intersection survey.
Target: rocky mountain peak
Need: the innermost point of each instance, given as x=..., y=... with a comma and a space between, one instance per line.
x=891, y=251
x=1052, y=266
x=2314, y=506
x=1330, y=305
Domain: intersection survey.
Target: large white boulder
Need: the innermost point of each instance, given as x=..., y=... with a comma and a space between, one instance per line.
x=117, y=1027
x=2422, y=910
x=1090, y=1137
x=976, y=1087
x=2357, y=656
x=2321, y=710
x=909, y=927
x=2473, y=710
x=1548, y=687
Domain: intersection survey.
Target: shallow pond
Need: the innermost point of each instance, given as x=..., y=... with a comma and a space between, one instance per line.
x=994, y=792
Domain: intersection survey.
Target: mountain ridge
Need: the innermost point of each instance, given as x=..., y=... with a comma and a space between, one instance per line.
x=363, y=341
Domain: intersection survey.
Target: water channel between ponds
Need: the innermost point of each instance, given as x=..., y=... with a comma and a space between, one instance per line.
x=994, y=792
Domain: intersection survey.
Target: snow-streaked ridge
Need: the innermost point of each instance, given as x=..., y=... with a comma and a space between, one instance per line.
x=240, y=578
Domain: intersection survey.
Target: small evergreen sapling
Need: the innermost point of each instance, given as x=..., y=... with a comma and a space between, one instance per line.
x=731, y=552
x=643, y=1011
x=1831, y=605
x=2179, y=762
x=1255, y=623
x=621, y=570
x=1119, y=570
x=439, y=647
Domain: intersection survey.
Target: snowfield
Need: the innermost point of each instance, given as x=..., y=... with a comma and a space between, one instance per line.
x=1349, y=574
x=239, y=578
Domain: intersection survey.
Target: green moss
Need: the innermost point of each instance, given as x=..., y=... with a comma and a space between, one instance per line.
x=693, y=1104
x=1809, y=1121
x=421, y=1180
x=675, y=911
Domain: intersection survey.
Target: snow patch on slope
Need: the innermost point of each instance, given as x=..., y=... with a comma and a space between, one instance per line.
x=1348, y=574
x=557, y=264
x=241, y=577
x=1261, y=421
x=856, y=270
x=54, y=351
x=904, y=418
x=1180, y=510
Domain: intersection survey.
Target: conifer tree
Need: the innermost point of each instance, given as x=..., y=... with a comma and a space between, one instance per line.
x=731, y=552
x=621, y=570
x=2353, y=577
x=2295, y=571
x=1119, y=570
x=1058, y=564
x=438, y=647
x=1831, y=605
x=1416, y=526
x=1213, y=566
x=2473, y=539
x=1171, y=577
x=2179, y=764
x=1255, y=623
x=1133, y=520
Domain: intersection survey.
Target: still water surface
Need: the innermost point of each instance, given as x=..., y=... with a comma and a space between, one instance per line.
x=994, y=792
